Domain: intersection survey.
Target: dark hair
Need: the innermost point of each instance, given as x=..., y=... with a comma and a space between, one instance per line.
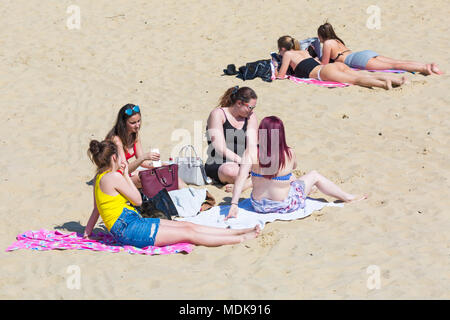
x=269, y=126
x=244, y=94
x=326, y=32
x=288, y=43
x=120, y=128
x=101, y=152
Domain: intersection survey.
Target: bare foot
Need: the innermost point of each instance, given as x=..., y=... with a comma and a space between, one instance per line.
x=229, y=187
x=249, y=235
x=435, y=69
x=387, y=84
x=356, y=198
x=405, y=80
x=397, y=82
x=257, y=229
x=426, y=70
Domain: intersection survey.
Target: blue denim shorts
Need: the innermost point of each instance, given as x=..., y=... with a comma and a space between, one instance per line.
x=132, y=229
x=359, y=59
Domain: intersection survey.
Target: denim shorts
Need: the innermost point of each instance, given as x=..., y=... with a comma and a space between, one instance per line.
x=132, y=229
x=359, y=59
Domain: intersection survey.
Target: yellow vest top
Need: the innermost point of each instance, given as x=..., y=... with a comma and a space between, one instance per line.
x=110, y=208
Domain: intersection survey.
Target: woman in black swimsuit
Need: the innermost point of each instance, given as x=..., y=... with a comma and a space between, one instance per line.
x=305, y=66
x=231, y=128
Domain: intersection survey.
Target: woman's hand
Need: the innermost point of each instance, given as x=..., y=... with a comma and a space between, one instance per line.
x=153, y=156
x=275, y=64
x=124, y=168
x=233, y=212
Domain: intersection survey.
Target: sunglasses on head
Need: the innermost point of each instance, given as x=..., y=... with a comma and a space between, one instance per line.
x=132, y=110
x=249, y=106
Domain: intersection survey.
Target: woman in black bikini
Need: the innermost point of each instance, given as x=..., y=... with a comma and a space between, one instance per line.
x=231, y=128
x=305, y=66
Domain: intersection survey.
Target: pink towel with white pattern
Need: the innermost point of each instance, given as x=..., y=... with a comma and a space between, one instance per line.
x=44, y=240
x=329, y=84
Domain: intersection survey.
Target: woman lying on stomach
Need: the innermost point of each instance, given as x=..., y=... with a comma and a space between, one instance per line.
x=334, y=50
x=305, y=66
x=275, y=188
x=114, y=190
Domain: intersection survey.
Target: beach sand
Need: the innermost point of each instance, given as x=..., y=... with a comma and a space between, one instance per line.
x=62, y=87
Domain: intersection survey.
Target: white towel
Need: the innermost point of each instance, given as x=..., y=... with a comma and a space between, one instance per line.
x=188, y=201
x=248, y=218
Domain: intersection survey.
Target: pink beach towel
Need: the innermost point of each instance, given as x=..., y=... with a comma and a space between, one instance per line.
x=329, y=84
x=44, y=240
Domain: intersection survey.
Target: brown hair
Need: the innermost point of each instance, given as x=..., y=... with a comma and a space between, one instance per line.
x=288, y=43
x=101, y=152
x=244, y=94
x=120, y=128
x=326, y=32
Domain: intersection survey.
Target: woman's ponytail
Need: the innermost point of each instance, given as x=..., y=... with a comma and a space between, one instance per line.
x=101, y=152
x=296, y=44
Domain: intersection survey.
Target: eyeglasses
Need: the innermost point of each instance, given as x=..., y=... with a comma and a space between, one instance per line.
x=249, y=106
x=132, y=110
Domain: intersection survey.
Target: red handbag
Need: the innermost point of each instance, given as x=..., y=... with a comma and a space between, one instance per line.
x=156, y=179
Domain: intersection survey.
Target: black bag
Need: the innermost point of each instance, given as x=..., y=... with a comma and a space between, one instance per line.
x=160, y=206
x=252, y=70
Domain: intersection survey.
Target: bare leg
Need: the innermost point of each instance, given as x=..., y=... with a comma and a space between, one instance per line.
x=228, y=172
x=341, y=73
x=169, y=235
x=327, y=187
x=384, y=63
x=394, y=80
x=206, y=229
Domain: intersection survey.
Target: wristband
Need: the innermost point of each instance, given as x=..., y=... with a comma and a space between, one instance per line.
x=234, y=203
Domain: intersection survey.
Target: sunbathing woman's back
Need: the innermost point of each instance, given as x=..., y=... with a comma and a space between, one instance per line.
x=275, y=188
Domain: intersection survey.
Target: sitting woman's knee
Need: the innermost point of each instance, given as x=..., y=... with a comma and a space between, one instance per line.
x=229, y=172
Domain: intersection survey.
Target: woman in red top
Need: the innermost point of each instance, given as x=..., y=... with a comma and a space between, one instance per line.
x=125, y=134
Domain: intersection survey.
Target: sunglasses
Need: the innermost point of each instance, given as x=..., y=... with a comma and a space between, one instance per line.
x=132, y=110
x=249, y=106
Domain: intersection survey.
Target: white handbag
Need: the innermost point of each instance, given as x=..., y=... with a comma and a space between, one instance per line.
x=190, y=168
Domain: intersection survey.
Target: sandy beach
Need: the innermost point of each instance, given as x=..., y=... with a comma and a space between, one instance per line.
x=62, y=87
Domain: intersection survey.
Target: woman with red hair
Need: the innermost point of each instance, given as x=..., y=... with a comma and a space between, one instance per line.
x=275, y=188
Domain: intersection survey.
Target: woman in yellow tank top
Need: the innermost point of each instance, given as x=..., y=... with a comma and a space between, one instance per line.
x=112, y=193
